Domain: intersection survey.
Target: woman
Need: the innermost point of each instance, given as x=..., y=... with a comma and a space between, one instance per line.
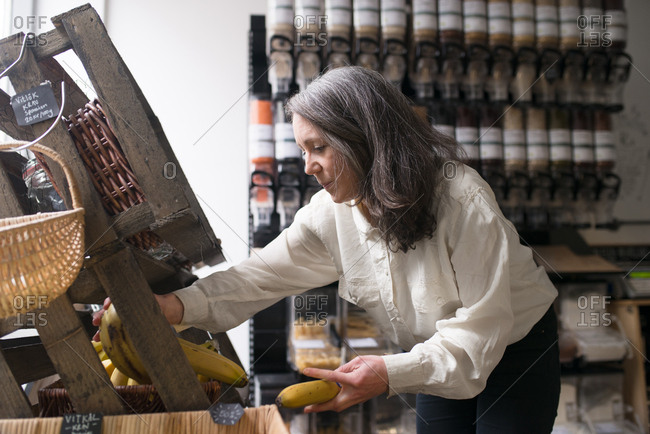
x=417, y=240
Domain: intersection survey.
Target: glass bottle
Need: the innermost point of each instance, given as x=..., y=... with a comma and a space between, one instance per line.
x=450, y=21
x=475, y=22
x=41, y=194
x=568, y=13
x=499, y=23
x=547, y=32
x=366, y=33
x=523, y=24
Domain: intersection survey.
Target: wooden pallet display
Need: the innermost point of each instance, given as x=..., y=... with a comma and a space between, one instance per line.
x=111, y=267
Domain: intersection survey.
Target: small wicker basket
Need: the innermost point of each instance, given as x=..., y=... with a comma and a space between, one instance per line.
x=41, y=254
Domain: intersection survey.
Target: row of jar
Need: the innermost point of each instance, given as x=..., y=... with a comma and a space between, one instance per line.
x=563, y=24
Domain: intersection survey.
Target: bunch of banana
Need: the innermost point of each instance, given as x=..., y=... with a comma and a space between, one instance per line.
x=307, y=393
x=205, y=361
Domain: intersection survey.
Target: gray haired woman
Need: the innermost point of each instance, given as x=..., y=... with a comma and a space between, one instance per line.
x=416, y=239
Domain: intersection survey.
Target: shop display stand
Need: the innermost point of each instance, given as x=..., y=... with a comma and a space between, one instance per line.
x=111, y=266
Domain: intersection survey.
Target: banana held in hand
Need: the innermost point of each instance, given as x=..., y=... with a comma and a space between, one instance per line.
x=307, y=393
x=118, y=346
x=120, y=349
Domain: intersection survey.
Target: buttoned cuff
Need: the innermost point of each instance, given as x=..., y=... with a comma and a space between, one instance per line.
x=405, y=373
x=195, y=305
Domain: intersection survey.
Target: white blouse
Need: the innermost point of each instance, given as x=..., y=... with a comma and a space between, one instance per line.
x=453, y=304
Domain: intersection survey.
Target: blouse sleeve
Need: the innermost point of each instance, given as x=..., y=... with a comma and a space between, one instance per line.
x=294, y=262
x=457, y=360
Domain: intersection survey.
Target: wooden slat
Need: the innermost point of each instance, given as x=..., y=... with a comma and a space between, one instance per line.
x=125, y=107
x=51, y=43
x=9, y=205
x=8, y=124
x=150, y=332
x=75, y=359
x=29, y=362
x=13, y=402
x=27, y=74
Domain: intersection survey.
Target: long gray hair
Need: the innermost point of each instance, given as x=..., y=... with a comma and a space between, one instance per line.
x=396, y=155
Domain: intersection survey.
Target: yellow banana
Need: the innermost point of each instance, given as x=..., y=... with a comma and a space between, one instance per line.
x=213, y=365
x=118, y=378
x=102, y=355
x=204, y=361
x=307, y=393
x=97, y=346
x=202, y=378
x=109, y=366
x=118, y=346
x=132, y=382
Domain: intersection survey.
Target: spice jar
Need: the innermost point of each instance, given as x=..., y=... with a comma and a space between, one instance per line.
x=393, y=19
x=582, y=139
x=339, y=18
x=570, y=86
x=490, y=140
x=451, y=72
x=559, y=137
x=450, y=21
x=525, y=76
x=547, y=32
x=514, y=140
x=537, y=140
x=568, y=13
x=425, y=20
x=467, y=134
x=523, y=23
x=604, y=142
x=614, y=11
x=475, y=22
x=366, y=32
x=499, y=23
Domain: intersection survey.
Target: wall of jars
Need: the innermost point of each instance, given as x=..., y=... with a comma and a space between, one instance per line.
x=531, y=90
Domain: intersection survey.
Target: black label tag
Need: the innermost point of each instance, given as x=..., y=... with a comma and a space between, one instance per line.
x=226, y=414
x=90, y=423
x=35, y=105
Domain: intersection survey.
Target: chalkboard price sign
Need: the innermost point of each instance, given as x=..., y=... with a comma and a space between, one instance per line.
x=35, y=105
x=89, y=423
x=226, y=414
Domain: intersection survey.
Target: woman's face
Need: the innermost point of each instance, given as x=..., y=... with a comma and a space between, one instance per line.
x=322, y=162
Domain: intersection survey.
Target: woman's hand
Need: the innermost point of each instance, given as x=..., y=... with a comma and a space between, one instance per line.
x=361, y=379
x=170, y=305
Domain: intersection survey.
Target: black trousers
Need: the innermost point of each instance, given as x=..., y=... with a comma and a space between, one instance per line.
x=521, y=395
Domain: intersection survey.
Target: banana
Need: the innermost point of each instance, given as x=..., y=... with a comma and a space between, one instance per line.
x=213, y=365
x=97, y=346
x=202, y=378
x=118, y=378
x=307, y=393
x=119, y=347
x=132, y=382
x=109, y=366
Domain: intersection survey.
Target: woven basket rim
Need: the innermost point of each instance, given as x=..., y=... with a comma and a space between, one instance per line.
x=38, y=219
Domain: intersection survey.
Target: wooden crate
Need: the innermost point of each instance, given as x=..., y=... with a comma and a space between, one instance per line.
x=111, y=266
x=260, y=420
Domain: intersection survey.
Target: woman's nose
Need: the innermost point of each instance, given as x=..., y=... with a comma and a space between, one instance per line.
x=311, y=165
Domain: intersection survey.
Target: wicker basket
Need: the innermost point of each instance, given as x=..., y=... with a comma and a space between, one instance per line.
x=41, y=253
x=113, y=177
x=54, y=400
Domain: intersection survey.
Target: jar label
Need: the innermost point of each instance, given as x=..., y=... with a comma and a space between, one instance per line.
x=260, y=132
x=366, y=13
x=546, y=13
x=467, y=135
x=475, y=24
x=338, y=17
x=474, y=8
x=261, y=148
x=280, y=12
x=523, y=10
x=287, y=149
x=450, y=15
x=491, y=135
x=523, y=28
x=472, y=151
x=498, y=10
x=491, y=152
x=514, y=152
x=547, y=29
x=560, y=152
x=582, y=138
x=537, y=137
x=568, y=14
x=605, y=153
x=514, y=137
x=559, y=137
x=393, y=16
x=283, y=131
x=583, y=154
x=425, y=16
x=537, y=152
x=499, y=26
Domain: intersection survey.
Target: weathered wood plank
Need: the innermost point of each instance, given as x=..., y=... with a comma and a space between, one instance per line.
x=126, y=108
x=29, y=362
x=51, y=43
x=75, y=359
x=9, y=204
x=184, y=231
x=150, y=332
x=75, y=98
x=13, y=402
x=27, y=74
